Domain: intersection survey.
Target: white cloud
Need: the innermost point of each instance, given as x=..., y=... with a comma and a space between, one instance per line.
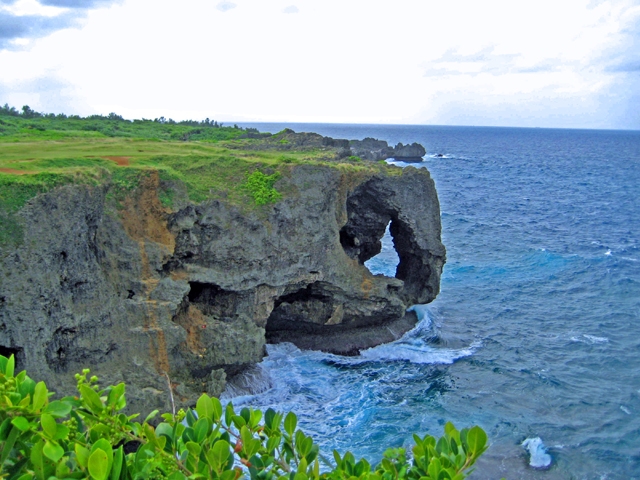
x=225, y=5
x=290, y=9
x=496, y=62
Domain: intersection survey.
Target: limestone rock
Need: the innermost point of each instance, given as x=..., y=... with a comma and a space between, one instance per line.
x=182, y=301
x=409, y=153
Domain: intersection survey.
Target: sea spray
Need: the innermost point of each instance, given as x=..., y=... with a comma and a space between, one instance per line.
x=539, y=458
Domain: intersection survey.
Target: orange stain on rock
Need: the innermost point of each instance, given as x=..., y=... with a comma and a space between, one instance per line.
x=122, y=161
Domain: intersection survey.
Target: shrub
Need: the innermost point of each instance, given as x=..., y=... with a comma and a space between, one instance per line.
x=260, y=187
x=86, y=436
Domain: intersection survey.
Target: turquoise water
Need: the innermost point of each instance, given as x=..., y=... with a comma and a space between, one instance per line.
x=536, y=331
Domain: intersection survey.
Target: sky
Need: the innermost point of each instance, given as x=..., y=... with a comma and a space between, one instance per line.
x=541, y=63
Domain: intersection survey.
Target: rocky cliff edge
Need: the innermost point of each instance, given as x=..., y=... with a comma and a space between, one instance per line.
x=183, y=299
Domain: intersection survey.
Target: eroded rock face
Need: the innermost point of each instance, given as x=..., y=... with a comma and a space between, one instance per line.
x=409, y=153
x=182, y=300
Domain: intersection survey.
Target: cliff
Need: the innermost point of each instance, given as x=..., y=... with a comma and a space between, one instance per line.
x=189, y=294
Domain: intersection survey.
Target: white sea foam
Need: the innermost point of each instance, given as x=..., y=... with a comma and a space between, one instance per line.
x=417, y=353
x=625, y=409
x=594, y=339
x=608, y=252
x=413, y=346
x=589, y=339
x=539, y=458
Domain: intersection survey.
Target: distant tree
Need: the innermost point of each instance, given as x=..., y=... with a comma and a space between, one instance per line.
x=7, y=110
x=27, y=112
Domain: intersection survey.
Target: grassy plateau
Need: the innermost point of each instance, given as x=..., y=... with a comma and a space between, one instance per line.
x=40, y=152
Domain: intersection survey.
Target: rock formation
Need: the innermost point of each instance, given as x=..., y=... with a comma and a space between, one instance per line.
x=367, y=149
x=189, y=297
x=410, y=153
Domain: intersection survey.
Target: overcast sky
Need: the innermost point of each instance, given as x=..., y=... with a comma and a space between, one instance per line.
x=542, y=63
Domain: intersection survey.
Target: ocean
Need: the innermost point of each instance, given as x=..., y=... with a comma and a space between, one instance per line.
x=536, y=331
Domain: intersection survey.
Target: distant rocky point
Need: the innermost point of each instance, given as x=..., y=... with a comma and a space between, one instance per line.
x=367, y=149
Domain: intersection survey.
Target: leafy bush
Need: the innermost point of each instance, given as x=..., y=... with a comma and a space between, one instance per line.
x=260, y=187
x=87, y=436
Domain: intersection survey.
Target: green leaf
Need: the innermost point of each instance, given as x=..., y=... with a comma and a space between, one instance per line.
x=238, y=421
x=228, y=414
x=202, y=429
x=5, y=428
x=118, y=460
x=443, y=446
x=218, y=455
x=26, y=387
x=269, y=416
x=62, y=469
x=49, y=425
x=53, y=451
x=256, y=416
x=98, y=464
x=290, y=423
x=151, y=416
x=191, y=418
x=40, y=396
x=177, y=476
x=228, y=475
x=115, y=394
x=166, y=430
x=434, y=468
x=10, y=367
x=104, y=445
x=273, y=443
x=204, y=407
x=3, y=363
x=91, y=399
x=58, y=409
x=20, y=423
x=246, y=414
x=40, y=464
x=82, y=455
x=217, y=409
x=336, y=457
x=194, y=449
x=305, y=447
x=477, y=440
x=8, y=446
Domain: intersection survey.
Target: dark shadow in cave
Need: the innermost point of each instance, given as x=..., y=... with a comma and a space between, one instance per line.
x=213, y=300
x=305, y=310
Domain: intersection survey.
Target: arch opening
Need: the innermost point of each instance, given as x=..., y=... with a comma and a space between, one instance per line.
x=386, y=261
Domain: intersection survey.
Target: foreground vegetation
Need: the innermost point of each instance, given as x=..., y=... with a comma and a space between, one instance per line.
x=89, y=436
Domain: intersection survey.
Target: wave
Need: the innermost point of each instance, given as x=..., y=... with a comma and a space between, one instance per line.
x=414, y=346
x=589, y=339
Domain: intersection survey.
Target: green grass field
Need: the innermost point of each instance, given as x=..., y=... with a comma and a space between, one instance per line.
x=39, y=154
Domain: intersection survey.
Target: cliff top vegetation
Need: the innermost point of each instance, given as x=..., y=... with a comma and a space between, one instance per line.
x=205, y=159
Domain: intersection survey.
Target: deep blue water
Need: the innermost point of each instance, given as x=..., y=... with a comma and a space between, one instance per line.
x=536, y=331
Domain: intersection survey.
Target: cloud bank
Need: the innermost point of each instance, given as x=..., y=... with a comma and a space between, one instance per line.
x=15, y=26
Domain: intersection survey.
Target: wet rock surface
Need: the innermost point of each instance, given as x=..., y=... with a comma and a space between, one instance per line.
x=184, y=300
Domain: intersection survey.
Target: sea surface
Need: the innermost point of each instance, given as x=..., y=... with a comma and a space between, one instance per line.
x=536, y=332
